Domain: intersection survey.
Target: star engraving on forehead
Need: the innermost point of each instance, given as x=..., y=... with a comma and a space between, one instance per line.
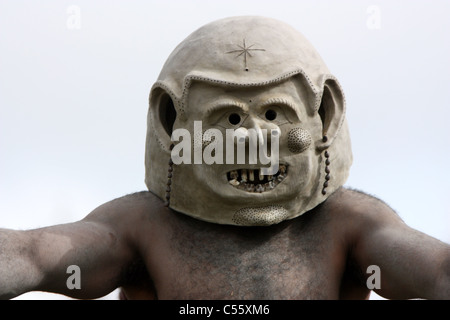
x=245, y=51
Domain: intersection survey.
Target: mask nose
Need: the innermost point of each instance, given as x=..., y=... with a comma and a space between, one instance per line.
x=257, y=131
x=260, y=139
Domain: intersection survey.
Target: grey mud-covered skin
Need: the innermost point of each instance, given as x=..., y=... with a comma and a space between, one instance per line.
x=247, y=73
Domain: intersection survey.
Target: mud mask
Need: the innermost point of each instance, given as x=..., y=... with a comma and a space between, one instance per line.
x=232, y=89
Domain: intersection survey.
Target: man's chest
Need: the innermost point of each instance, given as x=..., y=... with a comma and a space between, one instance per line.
x=262, y=263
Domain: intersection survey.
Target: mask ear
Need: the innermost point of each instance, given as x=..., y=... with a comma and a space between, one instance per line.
x=163, y=115
x=331, y=112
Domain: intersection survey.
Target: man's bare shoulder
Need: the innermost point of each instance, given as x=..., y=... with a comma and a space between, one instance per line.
x=137, y=201
x=360, y=210
x=127, y=210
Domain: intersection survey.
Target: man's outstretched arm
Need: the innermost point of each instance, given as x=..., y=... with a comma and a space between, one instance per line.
x=411, y=263
x=39, y=260
x=18, y=271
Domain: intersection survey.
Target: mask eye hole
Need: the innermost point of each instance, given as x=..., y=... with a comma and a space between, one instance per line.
x=270, y=115
x=234, y=119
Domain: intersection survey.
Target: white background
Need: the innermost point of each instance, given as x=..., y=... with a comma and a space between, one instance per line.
x=73, y=101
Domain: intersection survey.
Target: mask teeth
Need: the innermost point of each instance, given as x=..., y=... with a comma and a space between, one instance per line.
x=261, y=175
x=244, y=175
x=234, y=174
x=252, y=180
x=260, y=188
x=269, y=185
x=234, y=182
x=250, y=187
x=251, y=175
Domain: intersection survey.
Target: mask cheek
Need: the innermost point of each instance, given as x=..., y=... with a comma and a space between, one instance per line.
x=299, y=140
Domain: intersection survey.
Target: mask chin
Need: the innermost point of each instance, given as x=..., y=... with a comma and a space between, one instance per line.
x=260, y=216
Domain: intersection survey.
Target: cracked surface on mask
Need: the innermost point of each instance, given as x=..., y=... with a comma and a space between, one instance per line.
x=260, y=216
x=251, y=180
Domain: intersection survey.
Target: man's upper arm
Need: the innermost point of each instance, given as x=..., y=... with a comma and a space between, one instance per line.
x=411, y=263
x=91, y=252
x=96, y=249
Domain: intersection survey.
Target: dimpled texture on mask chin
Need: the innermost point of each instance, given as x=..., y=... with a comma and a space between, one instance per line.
x=260, y=216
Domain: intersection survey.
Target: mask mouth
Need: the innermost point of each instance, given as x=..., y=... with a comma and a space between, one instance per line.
x=252, y=180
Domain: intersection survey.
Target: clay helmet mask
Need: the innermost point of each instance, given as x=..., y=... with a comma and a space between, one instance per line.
x=245, y=73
